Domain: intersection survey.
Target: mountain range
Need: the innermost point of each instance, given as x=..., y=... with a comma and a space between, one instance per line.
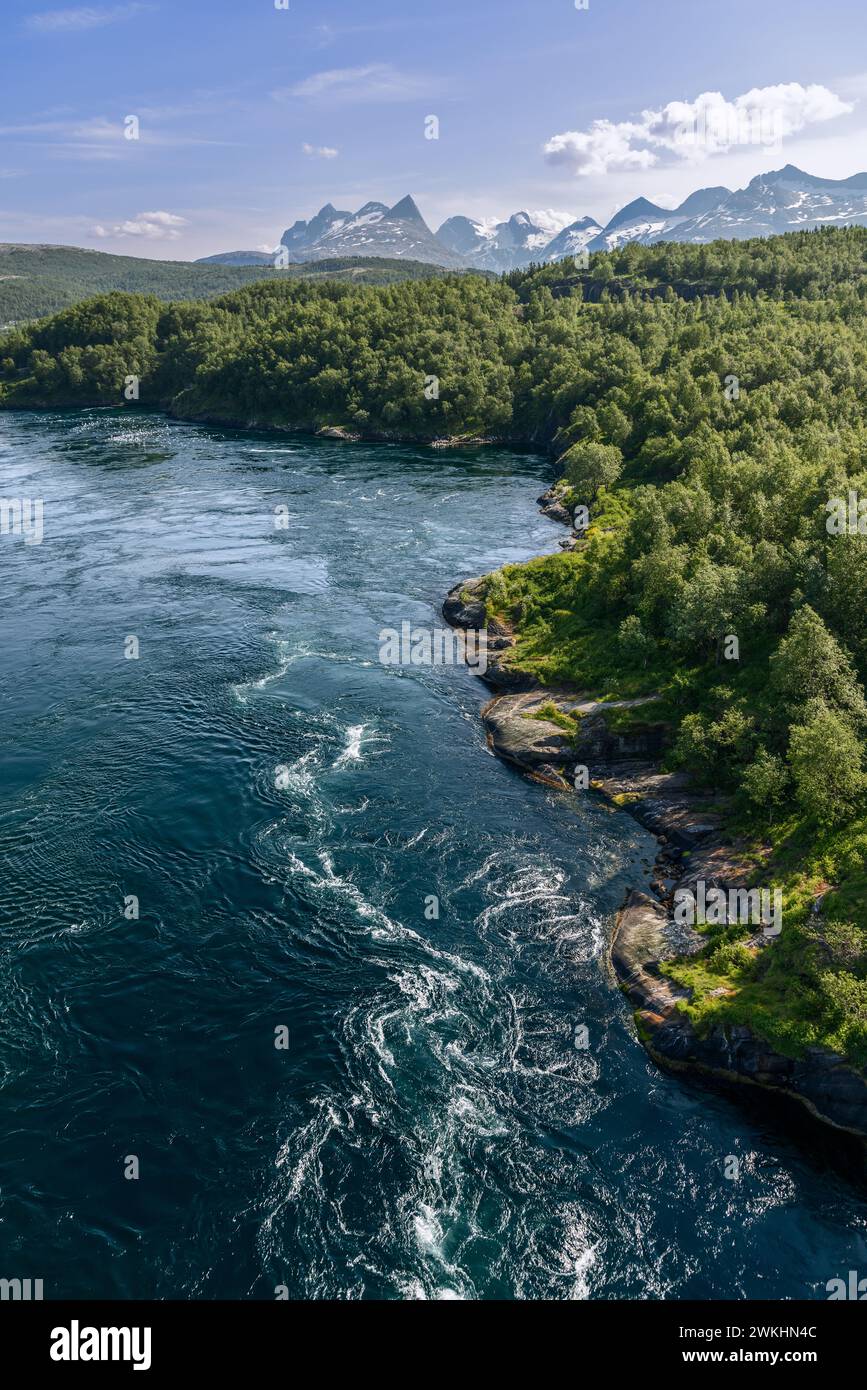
x=783, y=200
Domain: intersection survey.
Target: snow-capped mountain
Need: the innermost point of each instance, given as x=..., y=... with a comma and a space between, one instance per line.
x=572, y=240
x=375, y=230
x=644, y=222
x=501, y=246
x=304, y=234
x=784, y=200
x=397, y=233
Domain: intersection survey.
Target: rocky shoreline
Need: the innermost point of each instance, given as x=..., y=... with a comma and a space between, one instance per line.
x=338, y=433
x=624, y=768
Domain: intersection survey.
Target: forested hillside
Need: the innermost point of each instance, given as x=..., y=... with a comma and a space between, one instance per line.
x=706, y=434
x=286, y=353
x=39, y=280
x=806, y=264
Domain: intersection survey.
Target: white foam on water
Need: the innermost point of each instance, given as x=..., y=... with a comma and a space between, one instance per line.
x=528, y=905
x=359, y=738
x=381, y=926
x=471, y=1111
x=286, y=655
x=471, y=1055
x=352, y=751
x=301, y=777
x=428, y=1232
x=299, y=1153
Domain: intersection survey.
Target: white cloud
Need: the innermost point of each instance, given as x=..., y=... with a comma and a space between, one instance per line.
x=152, y=226
x=97, y=138
x=603, y=147
x=320, y=151
x=77, y=20
x=695, y=130
x=95, y=129
x=375, y=82
x=550, y=220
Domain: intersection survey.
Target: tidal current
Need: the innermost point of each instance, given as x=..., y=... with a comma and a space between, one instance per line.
x=215, y=954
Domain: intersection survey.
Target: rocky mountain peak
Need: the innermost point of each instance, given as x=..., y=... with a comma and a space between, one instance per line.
x=406, y=211
x=779, y=200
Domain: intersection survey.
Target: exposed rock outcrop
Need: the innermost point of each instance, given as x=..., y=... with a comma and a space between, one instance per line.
x=645, y=937
x=464, y=605
x=463, y=441
x=688, y=824
x=829, y=1088
x=337, y=432
x=520, y=731
x=553, y=505
x=521, y=735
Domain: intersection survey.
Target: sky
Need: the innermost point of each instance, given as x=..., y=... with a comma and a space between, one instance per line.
x=246, y=116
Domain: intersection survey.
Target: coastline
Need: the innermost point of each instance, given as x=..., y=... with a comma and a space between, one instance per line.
x=310, y=429
x=626, y=775
x=688, y=826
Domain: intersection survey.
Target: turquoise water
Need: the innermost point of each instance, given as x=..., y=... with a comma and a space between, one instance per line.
x=430, y=1130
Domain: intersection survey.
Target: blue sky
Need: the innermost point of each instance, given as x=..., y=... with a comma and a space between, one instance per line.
x=251, y=116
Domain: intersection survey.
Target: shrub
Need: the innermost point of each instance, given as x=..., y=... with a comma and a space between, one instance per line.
x=765, y=781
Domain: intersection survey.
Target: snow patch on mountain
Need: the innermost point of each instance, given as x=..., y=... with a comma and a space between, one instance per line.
x=782, y=200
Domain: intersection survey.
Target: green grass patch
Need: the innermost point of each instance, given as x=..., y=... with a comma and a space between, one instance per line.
x=552, y=714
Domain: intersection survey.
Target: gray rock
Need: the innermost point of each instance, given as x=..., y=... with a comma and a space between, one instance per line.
x=552, y=505
x=535, y=745
x=833, y=1090
x=464, y=605
x=337, y=432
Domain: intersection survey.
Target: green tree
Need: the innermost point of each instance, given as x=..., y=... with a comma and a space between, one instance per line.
x=635, y=644
x=765, y=781
x=825, y=756
x=810, y=664
x=590, y=466
x=715, y=748
x=709, y=608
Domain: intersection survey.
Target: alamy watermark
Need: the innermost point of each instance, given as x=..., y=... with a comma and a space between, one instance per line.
x=438, y=646
x=21, y=1290
x=77, y=1343
x=718, y=906
x=723, y=126
x=22, y=516
x=846, y=516
x=853, y=1288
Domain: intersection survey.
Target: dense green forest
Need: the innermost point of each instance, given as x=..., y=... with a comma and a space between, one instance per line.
x=39, y=280
x=286, y=353
x=704, y=432
x=800, y=263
